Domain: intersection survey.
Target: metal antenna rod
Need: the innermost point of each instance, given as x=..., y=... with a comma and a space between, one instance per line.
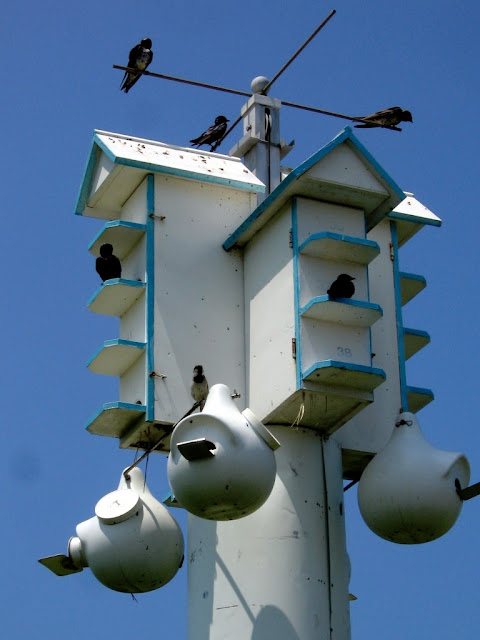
x=298, y=52
x=248, y=95
x=184, y=81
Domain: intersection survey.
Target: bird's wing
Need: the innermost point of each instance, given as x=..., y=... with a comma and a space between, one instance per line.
x=384, y=113
x=204, y=136
x=133, y=55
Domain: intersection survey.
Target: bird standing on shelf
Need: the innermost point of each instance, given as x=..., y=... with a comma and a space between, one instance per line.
x=213, y=134
x=343, y=287
x=140, y=57
x=107, y=265
x=199, y=386
x=386, y=118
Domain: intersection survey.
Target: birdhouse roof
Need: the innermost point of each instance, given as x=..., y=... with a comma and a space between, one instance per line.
x=342, y=172
x=102, y=194
x=410, y=216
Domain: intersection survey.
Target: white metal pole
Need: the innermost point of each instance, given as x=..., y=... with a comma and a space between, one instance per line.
x=283, y=571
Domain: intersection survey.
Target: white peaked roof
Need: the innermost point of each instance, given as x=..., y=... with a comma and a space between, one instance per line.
x=342, y=172
x=113, y=154
x=410, y=216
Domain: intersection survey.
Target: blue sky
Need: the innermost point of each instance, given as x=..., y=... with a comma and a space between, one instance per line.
x=58, y=86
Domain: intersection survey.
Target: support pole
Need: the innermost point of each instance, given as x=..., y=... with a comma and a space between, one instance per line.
x=283, y=571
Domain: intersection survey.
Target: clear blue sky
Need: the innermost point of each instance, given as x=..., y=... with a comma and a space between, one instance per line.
x=58, y=85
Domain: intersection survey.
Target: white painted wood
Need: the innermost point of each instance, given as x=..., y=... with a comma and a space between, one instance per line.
x=199, y=303
x=270, y=322
x=370, y=429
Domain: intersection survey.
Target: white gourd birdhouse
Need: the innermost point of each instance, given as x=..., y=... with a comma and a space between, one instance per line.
x=132, y=544
x=221, y=464
x=408, y=492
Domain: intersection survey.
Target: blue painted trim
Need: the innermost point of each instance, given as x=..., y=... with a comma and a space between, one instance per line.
x=134, y=226
x=399, y=320
x=412, y=276
x=421, y=391
x=416, y=332
x=113, y=282
x=87, y=179
x=344, y=135
x=351, y=303
x=150, y=295
x=296, y=293
x=404, y=217
x=113, y=343
x=360, y=368
x=340, y=238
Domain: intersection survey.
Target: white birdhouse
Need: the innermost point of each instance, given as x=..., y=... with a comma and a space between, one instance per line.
x=247, y=290
x=132, y=544
x=408, y=492
x=221, y=464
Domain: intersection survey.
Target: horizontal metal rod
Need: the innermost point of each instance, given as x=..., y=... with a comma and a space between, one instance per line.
x=298, y=52
x=205, y=85
x=248, y=95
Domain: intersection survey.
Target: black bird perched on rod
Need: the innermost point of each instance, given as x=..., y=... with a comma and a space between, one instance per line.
x=108, y=266
x=343, y=287
x=386, y=118
x=199, y=386
x=140, y=57
x=213, y=134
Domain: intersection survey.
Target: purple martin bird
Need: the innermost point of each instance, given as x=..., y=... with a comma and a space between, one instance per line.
x=107, y=265
x=343, y=287
x=213, y=134
x=386, y=118
x=140, y=57
x=199, y=386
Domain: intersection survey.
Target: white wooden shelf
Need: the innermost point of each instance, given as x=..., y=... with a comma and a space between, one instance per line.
x=115, y=418
x=344, y=374
x=354, y=313
x=115, y=356
x=413, y=341
x=418, y=398
x=115, y=296
x=410, y=285
x=122, y=235
x=333, y=246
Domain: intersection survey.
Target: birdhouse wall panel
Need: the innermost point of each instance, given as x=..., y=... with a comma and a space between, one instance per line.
x=343, y=166
x=132, y=323
x=270, y=317
x=134, y=209
x=132, y=383
x=370, y=429
x=198, y=302
x=315, y=215
x=133, y=264
x=316, y=276
x=327, y=341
